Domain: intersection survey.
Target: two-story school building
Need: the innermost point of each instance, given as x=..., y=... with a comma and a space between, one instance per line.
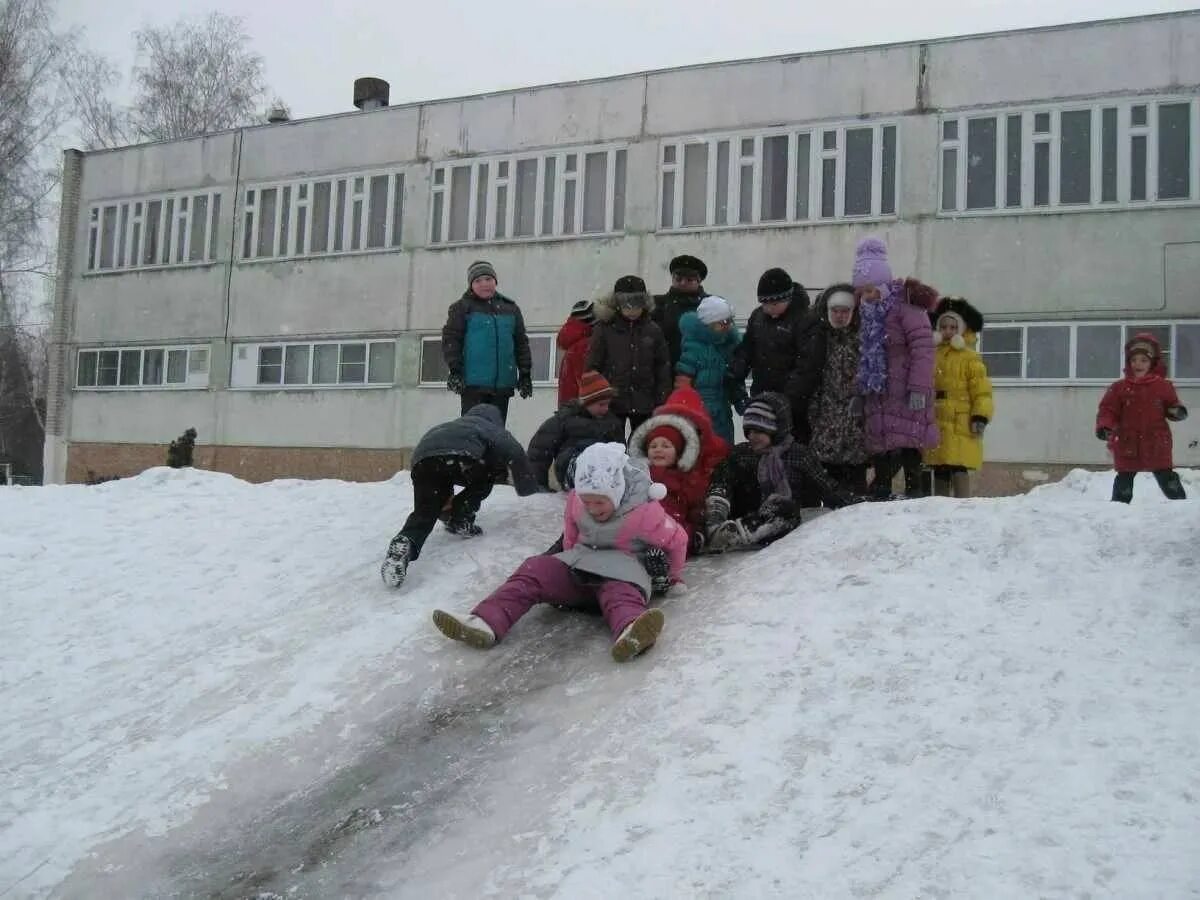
x=281, y=288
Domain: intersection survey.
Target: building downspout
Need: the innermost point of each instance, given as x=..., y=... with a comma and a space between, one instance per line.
x=58, y=411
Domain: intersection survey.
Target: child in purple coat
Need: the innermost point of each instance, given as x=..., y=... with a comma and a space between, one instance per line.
x=895, y=369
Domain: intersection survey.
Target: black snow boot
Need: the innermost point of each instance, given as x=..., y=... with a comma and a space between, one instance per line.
x=658, y=568
x=464, y=527
x=395, y=563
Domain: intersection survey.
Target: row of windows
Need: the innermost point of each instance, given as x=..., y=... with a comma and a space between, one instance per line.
x=1114, y=153
x=778, y=176
x=545, y=195
x=1118, y=152
x=143, y=367
x=1086, y=352
x=1083, y=352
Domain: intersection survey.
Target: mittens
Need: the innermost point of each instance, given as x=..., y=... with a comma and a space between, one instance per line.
x=978, y=424
x=917, y=400
x=525, y=385
x=1103, y=434
x=455, y=383
x=1177, y=413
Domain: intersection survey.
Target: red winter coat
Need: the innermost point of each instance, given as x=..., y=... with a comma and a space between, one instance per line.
x=1134, y=409
x=573, y=339
x=703, y=449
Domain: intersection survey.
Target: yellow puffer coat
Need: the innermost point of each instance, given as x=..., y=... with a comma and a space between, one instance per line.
x=962, y=390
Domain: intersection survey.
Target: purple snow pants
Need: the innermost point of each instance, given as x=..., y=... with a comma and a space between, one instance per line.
x=544, y=579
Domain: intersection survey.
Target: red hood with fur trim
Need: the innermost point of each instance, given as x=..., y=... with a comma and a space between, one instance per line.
x=1157, y=369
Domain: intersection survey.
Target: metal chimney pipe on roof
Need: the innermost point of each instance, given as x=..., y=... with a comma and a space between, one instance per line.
x=371, y=93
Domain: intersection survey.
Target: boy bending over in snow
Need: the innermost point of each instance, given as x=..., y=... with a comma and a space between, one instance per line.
x=612, y=516
x=473, y=451
x=755, y=493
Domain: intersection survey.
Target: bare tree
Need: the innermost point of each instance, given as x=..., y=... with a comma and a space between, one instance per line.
x=33, y=109
x=195, y=77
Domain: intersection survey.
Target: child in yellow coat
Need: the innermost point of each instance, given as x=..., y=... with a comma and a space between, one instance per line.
x=962, y=397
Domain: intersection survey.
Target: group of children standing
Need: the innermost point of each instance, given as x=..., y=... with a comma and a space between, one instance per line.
x=879, y=374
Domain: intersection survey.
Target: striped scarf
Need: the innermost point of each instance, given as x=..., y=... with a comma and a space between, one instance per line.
x=872, y=364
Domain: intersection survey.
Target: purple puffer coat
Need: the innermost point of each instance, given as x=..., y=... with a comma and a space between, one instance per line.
x=889, y=423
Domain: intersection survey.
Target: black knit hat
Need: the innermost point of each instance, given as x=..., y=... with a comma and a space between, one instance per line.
x=970, y=316
x=688, y=265
x=775, y=284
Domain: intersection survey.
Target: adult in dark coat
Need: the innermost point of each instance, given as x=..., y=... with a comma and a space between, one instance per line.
x=485, y=345
x=574, y=427
x=755, y=495
x=684, y=295
x=629, y=350
x=774, y=343
x=472, y=452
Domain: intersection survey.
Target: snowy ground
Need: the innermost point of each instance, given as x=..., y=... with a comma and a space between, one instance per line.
x=207, y=692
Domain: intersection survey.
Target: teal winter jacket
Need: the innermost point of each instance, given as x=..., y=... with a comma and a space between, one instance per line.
x=485, y=342
x=704, y=357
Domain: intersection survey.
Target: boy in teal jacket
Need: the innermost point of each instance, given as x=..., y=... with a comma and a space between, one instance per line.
x=485, y=345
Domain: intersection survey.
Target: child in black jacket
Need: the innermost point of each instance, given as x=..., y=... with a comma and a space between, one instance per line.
x=755, y=494
x=473, y=452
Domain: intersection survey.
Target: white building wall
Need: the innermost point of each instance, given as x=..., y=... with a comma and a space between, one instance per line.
x=1118, y=263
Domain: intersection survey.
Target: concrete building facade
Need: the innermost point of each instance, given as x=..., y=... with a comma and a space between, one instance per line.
x=282, y=288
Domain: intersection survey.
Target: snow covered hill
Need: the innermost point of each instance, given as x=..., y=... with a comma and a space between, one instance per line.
x=207, y=692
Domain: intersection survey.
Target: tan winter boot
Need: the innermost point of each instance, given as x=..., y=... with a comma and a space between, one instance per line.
x=638, y=636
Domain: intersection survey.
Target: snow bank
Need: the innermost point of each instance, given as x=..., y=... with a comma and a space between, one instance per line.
x=934, y=698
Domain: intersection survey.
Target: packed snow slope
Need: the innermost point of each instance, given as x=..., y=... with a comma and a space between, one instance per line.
x=207, y=692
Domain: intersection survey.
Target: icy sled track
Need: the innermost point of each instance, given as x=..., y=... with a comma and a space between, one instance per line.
x=206, y=692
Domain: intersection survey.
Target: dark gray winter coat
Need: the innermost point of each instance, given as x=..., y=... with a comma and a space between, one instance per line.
x=633, y=357
x=480, y=435
x=565, y=434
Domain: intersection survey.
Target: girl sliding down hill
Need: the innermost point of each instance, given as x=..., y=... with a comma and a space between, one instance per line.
x=614, y=530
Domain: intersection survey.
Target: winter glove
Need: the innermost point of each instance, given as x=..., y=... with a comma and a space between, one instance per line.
x=455, y=383
x=741, y=404
x=716, y=510
x=525, y=385
x=777, y=507
x=916, y=400
x=856, y=407
x=978, y=423
x=1103, y=434
x=658, y=568
x=1177, y=413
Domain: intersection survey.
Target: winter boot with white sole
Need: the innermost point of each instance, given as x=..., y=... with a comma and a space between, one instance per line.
x=395, y=563
x=470, y=630
x=638, y=636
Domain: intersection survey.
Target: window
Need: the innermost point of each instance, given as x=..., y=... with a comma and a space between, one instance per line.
x=1071, y=157
x=541, y=348
x=1084, y=352
x=171, y=230
x=338, y=214
x=782, y=175
x=545, y=195
x=306, y=365
x=142, y=367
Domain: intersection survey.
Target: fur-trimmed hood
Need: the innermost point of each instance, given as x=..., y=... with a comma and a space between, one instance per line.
x=820, y=309
x=604, y=307
x=691, y=438
x=970, y=321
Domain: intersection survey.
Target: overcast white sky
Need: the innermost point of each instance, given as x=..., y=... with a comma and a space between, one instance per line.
x=314, y=49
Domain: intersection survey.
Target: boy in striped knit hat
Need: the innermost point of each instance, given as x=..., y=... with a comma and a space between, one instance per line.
x=754, y=496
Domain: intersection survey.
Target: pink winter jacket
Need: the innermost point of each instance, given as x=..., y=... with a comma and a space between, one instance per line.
x=609, y=549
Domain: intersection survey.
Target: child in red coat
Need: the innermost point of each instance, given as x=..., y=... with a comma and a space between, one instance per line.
x=573, y=340
x=1133, y=420
x=683, y=450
